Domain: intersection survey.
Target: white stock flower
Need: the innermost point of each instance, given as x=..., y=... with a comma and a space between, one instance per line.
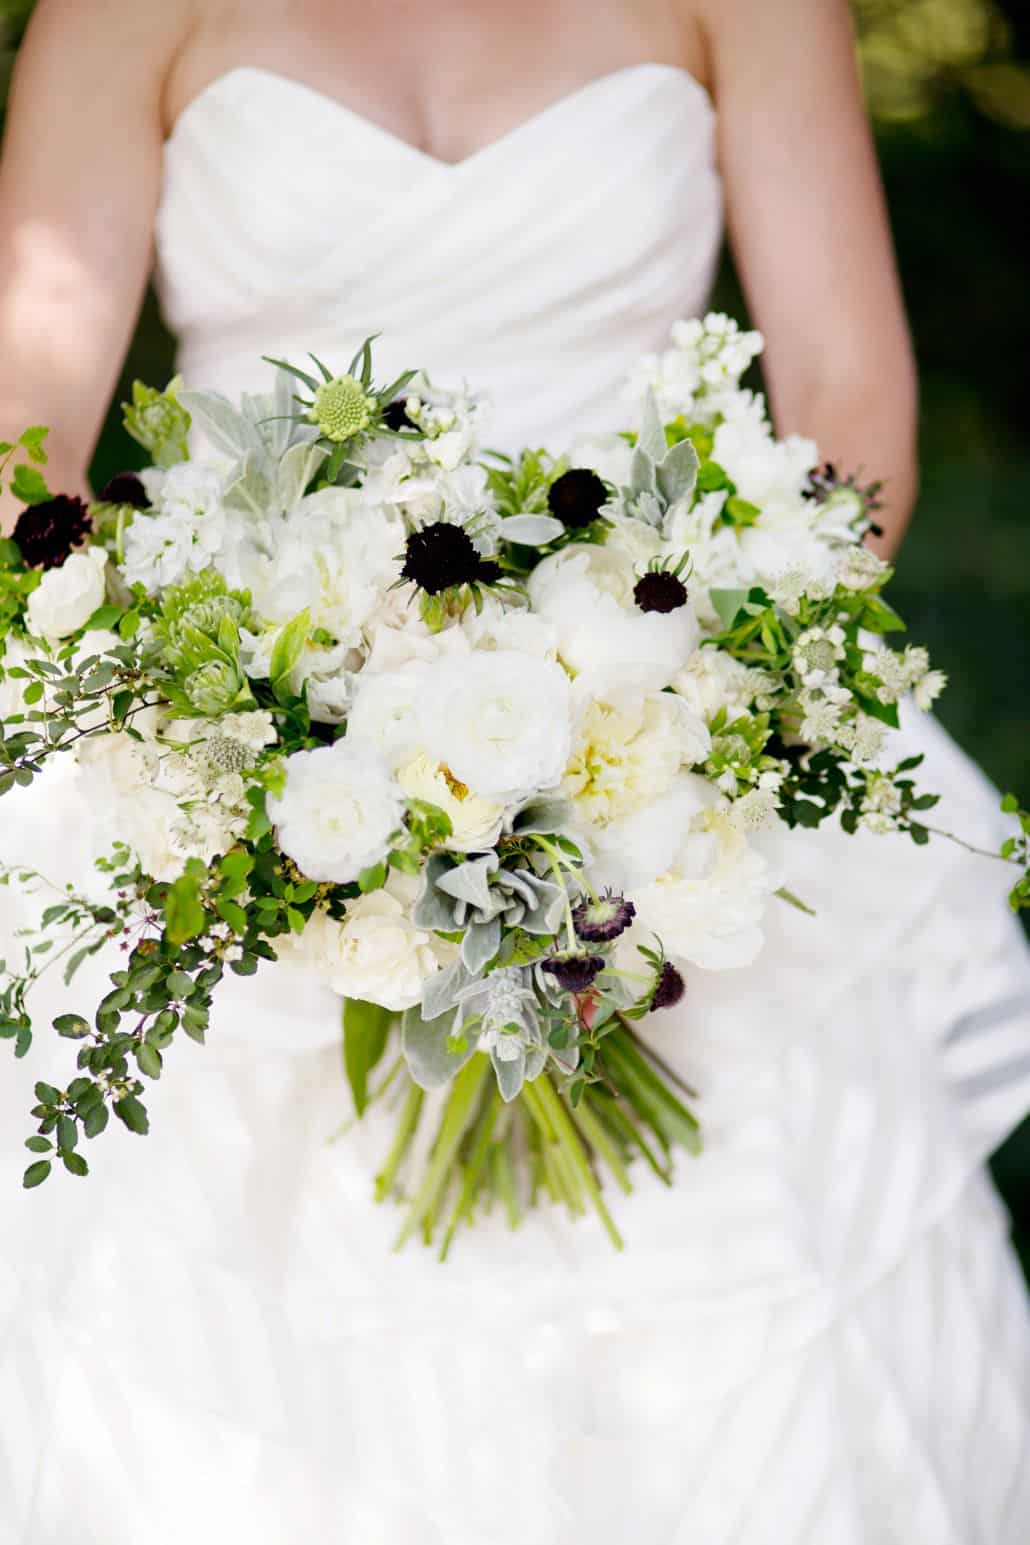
x=499, y=720
x=338, y=811
x=187, y=530
x=628, y=751
x=67, y=597
x=475, y=822
x=586, y=594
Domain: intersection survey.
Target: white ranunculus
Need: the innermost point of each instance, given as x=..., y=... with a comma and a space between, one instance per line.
x=586, y=594
x=67, y=597
x=500, y=721
x=338, y=811
x=376, y=953
x=475, y=822
x=386, y=715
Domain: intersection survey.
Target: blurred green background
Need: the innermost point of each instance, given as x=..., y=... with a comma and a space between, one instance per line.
x=948, y=86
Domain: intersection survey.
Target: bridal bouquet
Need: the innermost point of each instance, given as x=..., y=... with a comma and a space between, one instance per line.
x=486, y=743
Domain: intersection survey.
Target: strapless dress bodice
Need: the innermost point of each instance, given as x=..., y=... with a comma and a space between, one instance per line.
x=537, y=269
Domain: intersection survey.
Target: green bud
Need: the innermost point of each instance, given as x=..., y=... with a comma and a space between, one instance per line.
x=342, y=409
x=158, y=422
x=213, y=688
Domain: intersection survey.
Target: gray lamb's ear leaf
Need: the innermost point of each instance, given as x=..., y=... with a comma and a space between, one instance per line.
x=297, y=467
x=651, y=439
x=532, y=530
x=470, y=882
x=536, y=1061
x=424, y=1043
x=546, y=915
x=510, y=1075
x=544, y=818
x=227, y=429
x=250, y=491
x=642, y=474
x=441, y=991
x=480, y=945
x=677, y=475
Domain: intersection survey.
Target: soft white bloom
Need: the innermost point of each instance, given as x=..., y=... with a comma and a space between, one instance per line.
x=770, y=473
x=586, y=594
x=858, y=567
x=67, y=597
x=610, y=456
x=628, y=751
x=713, y=679
x=376, y=953
x=187, y=530
x=928, y=688
x=499, y=720
x=863, y=737
x=338, y=811
x=757, y=810
x=816, y=655
x=881, y=803
x=475, y=822
x=822, y=707
x=386, y=714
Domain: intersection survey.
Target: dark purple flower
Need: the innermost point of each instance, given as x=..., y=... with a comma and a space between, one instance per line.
x=576, y=498
x=574, y=973
x=670, y=989
x=489, y=571
x=824, y=481
x=600, y=921
x=395, y=416
x=46, y=534
x=439, y=557
x=125, y=488
x=659, y=590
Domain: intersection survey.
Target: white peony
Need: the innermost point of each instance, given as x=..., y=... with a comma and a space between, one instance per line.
x=586, y=594
x=67, y=597
x=475, y=822
x=628, y=751
x=500, y=721
x=338, y=811
x=713, y=679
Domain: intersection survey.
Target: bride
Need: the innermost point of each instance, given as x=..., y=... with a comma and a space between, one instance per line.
x=820, y=1334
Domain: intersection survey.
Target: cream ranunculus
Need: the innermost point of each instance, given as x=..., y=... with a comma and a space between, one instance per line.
x=67, y=597
x=500, y=721
x=475, y=822
x=338, y=811
x=628, y=751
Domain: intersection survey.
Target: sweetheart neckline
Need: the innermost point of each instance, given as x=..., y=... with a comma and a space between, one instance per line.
x=397, y=141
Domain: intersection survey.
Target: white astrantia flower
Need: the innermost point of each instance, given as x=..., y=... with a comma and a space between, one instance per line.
x=862, y=737
x=375, y=953
x=628, y=750
x=928, y=689
x=858, y=567
x=822, y=710
x=475, y=823
x=817, y=654
x=499, y=720
x=881, y=803
x=586, y=594
x=67, y=597
x=338, y=812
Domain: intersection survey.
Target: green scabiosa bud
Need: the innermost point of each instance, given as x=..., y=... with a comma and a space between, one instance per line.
x=342, y=408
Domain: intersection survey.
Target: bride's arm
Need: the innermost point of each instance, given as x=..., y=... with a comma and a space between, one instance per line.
x=79, y=182
x=810, y=234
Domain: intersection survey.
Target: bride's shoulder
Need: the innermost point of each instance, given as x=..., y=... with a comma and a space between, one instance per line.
x=117, y=38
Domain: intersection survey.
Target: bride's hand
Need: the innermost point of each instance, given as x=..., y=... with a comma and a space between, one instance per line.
x=79, y=182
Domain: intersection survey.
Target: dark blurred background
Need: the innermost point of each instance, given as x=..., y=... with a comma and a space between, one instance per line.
x=948, y=86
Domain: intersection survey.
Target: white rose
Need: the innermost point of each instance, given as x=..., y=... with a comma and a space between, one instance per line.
x=586, y=593
x=376, y=953
x=500, y=720
x=338, y=811
x=475, y=822
x=67, y=597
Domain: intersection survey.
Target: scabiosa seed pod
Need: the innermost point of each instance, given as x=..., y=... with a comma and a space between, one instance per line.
x=125, y=488
x=439, y=557
x=670, y=989
x=601, y=921
x=46, y=534
x=577, y=498
x=574, y=973
x=342, y=409
x=659, y=590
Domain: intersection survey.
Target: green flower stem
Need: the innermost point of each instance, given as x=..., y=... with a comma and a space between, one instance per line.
x=478, y=1159
x=637, y=1081
x=406, y=1129
x=938, y=831
x=558, y=863
x=650, y=1055
x=593, y=1132
x=504, y=1182
x=556, y=1115
x=458, y=1112
x=612, y=1113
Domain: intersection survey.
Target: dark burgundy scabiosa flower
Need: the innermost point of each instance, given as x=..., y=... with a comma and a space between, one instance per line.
x=670, y=989
x=395, y=416
x=576, y=498
x=47, y=533
x=125, y=488
x=439, y=557
x=600, y=921
x=825, y=481
x=659, y=590
x=489, y=571
x=574, y=973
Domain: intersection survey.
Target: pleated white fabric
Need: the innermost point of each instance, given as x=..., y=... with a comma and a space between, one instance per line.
x=819, y=1335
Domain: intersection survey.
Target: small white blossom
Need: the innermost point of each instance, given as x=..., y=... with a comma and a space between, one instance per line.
x=928, y=688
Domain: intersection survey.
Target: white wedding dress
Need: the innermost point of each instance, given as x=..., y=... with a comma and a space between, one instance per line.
x=819, y=1336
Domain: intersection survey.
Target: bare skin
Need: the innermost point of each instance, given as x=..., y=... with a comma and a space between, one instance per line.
x=100, y=83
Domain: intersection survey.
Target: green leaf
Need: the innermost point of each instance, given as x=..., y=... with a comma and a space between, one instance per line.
x=75, y=1164
x=231, y=914
x=728, y=604
x=1010, y=804
x=366, y=1030
x=372, y=879
x=105, y=617
x=39, y=1145
x=36, y=1174
x=95, y=1120
x=288, y=649
x=33, y=440
x=132, y=1113
x=29, y=485
x=149, y=1059
x=67, y=1133
x=184, y=915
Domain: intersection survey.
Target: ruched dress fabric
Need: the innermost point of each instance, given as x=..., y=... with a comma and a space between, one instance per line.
x=819, y=1335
